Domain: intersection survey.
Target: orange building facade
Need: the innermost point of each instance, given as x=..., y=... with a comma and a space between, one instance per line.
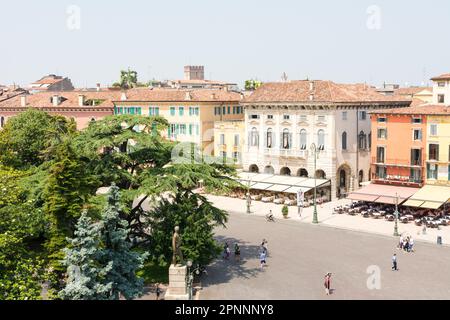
x=399, y=147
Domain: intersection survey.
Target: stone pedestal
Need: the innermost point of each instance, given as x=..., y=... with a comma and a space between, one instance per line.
x=178, y=289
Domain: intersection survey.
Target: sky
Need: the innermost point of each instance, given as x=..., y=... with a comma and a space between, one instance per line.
x=348, y=41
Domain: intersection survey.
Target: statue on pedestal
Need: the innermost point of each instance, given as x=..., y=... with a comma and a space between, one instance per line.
x=176, y=247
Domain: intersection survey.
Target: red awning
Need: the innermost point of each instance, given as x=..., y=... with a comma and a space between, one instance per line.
x=383, y=194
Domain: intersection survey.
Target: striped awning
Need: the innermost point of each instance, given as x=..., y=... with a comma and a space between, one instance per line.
x=429, y=197
x=381, y=193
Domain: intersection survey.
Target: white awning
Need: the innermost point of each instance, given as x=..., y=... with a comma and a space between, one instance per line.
x=278, y=188
x=261, y=186
x=296, y=189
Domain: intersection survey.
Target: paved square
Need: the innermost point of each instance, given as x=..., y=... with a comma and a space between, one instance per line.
x=300, y=254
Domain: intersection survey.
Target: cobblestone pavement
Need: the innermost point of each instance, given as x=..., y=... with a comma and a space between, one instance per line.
x=300, y=254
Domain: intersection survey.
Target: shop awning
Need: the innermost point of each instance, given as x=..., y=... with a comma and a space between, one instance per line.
x=383, y=193
x=429, y=197
x=296, y=189
x=261, y=186
x=278, y=188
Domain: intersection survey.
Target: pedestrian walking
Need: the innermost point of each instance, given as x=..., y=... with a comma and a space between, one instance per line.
x=400, y=242
x=394, y=262
x=226, y=251
x=411, y=244
x=158, y=291
x=327, y=283
x=262, y=259
x=237, y=252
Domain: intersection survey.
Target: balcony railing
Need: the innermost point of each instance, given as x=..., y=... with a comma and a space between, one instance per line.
x=398, y=163
x=286, y=152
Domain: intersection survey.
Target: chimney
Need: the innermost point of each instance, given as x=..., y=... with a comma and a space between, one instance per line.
x=311, y=85
x=123, y=96
x=23, y=101
x=55, y=100
x=213, y=96
x=80, y=100
x=98, y=86
x=311, y=97
x=187, y=96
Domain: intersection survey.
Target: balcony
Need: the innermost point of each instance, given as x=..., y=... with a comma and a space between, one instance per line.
x=398, y=163
x=296, y=153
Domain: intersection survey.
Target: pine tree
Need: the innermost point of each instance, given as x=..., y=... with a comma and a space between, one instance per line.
x=85, y=273
x=118, y=254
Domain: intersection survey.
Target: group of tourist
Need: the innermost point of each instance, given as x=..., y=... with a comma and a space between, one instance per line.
x=227, y=252
x=406, y=243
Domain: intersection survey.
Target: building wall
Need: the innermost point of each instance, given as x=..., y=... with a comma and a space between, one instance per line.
x=201, y=121
x=443, y=139
x=445, y=90
x=229, y=129
x=398, y=145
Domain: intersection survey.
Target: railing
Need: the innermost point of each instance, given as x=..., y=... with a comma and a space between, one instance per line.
x=286, y=152
x=398, y=163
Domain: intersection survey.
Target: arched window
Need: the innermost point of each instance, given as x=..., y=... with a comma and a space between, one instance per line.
x=254, y=137
x=2, y=122
x=286, y=139
x=362, y=141
x=344, y=140
x=321, y=139
x=303, y=141
x=92, y=119
x=269, y=138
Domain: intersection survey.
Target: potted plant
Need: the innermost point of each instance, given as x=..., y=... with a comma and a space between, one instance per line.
x=285, y=211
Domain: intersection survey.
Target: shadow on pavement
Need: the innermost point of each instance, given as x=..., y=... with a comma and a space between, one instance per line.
x=223, y=270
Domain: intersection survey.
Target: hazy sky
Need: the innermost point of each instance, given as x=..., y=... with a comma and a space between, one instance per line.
x=345, y=41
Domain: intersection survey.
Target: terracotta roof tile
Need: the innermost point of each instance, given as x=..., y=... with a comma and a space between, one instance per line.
x=445, y=76
x=424, y=109
x=411, y=90
x=200, y=95
x=322, y=91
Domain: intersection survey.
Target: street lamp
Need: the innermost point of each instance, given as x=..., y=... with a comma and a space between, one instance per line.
x=396, y=216
x=315, y=154
x=190, y=277
x=249, y=199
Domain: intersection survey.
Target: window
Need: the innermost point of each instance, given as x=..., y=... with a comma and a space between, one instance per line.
x=234, y=109
x=381, y=172
x=303, y=141
x=222, y=139
x=382, y=133
x=197, y=129
x=441, y=84
x=303, y=118
x=417, y=120
x=362, y=141
x=362, y=115
x=270, y=116
x=321, y=139
x=238, y=109
x=223, y=155
x=224, y=110
x=182, y=129
x=433, y=152
x=441, y=98
x=254, y=137
x=417, y=134
x=380, y=154
x=197, y=111
x=191, y=111
x=236, y=156
x=153, y=111
x=254, y=116
x=172, y=111
x=181, y=111
x=229, y=109
x=433, y=129
x=415, y=175
x=286, y=139
x=236, y=140
x=370, y=140
x=269, y=137
x=190, y=129
x=416, y=157
x=382, y=119
x=321, y=118
x=344, y=115
x=286, y=117
x=432, y=171
x=2, y=122
x=344, y=140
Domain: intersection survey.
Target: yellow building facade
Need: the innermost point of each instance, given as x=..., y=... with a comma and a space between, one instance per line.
x=437, y=149
x=191, y=113
x=228, y=140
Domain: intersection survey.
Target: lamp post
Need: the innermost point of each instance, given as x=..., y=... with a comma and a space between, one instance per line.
x=190, y=277
x=249, y=199
x=315, y=154
x=396, y=216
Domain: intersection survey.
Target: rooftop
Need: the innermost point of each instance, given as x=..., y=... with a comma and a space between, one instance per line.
x=445, y=76
x=177, y=95
x=311, y=91
x=423, y=109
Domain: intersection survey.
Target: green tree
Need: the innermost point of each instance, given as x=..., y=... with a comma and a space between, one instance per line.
x=85, y=274
x=67, y=189
x=25, y=137
x=122, y=262
x=196, y=218
x=128, y=79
